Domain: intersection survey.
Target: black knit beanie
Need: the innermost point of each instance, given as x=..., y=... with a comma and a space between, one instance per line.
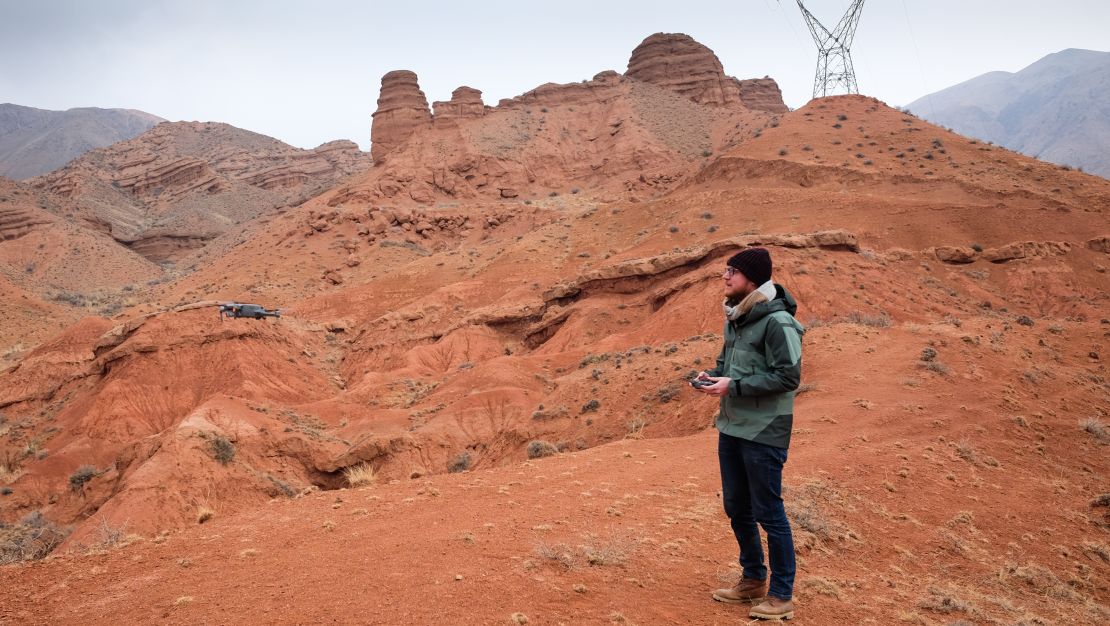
x=753, y=263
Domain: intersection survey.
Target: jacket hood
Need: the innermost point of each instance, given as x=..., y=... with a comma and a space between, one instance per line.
x=783, y=302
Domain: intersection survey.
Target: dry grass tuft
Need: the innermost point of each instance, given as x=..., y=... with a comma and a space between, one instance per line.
x=944, y=601
x=1040, y=579
x=822, y=586
x=594, y=551
x=204, y=513
x=361, y=474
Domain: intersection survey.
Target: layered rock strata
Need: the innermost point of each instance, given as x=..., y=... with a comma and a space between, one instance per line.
x=677, y=62
x=762, y=94
x=466, y=102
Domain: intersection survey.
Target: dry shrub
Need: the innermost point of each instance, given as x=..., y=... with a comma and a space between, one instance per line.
x=80, y=476
x=966, y=451
x=1094, y=426
x=32, y=538
x=560, y=553
x=614, y=551
x=1040, y=579
x=108, y=536
x=594, y=551
x=361, y=474
x=538, y=449
x=460, y=463
x=805, y=506
x=863, y=319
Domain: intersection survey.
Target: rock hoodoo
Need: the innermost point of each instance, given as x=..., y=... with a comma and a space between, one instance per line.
x=465, y=102
x=677, y=62
x=402, y=108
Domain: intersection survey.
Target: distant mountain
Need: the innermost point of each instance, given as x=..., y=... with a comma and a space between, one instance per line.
x=1057, y=109
x=36, y=141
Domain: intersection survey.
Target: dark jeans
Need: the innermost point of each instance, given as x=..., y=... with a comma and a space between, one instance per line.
x=751, y=486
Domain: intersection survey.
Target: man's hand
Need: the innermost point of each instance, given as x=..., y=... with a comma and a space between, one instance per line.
x=719, y=386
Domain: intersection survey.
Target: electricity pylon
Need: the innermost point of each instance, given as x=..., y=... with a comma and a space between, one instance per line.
x=834, y=59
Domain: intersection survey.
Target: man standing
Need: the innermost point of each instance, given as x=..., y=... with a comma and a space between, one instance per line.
x=756, y=374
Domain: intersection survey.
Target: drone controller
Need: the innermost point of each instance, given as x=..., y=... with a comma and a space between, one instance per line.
x=698, y=383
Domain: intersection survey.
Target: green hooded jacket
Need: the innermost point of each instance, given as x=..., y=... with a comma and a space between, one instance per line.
x=763, y=357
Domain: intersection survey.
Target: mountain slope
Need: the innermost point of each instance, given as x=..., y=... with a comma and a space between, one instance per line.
x=179, y=185
x=36, y=141
x=1057, y=109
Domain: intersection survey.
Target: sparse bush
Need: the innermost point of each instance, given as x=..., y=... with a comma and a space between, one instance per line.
x=222, y=449
x=934, y=366
x=874, y=321
x=782, y=152
x=672, y=229
x=80, y=476
x=667, y=392
x=1094, y=426
x=561, y=553
x=460, y=463
x=591, y=406
x=538, y=449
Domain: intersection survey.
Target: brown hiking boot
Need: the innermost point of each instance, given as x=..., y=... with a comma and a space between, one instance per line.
x=773, y=608
x=747, y=590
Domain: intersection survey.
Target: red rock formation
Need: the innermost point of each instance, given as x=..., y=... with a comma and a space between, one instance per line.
x=465, y=102
x=679, y=63
x=601, y=89
x=402, y=108
x=762, y=94
x=180, y=184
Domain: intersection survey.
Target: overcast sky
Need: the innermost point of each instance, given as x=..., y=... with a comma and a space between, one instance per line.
x=307, y=72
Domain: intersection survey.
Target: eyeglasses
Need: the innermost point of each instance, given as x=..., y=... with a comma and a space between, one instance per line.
x=731, y=271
